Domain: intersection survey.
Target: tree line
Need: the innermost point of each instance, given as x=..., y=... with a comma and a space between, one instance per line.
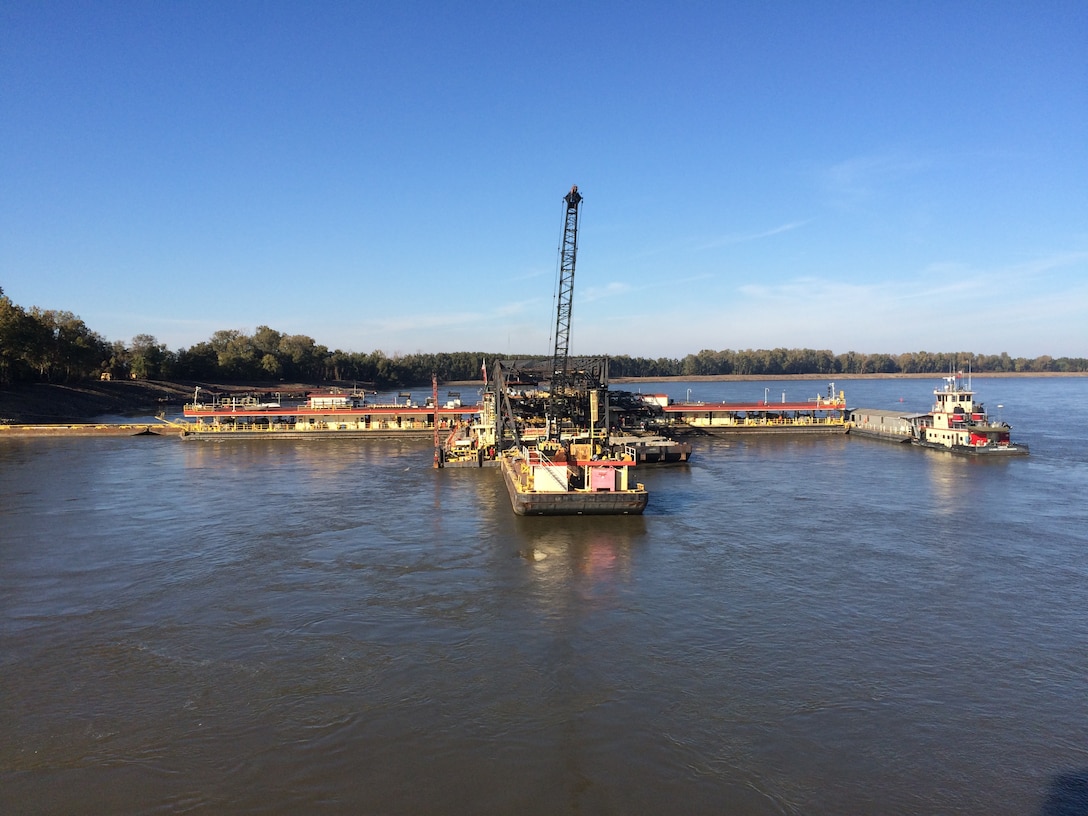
x=45, y=345
x=764, y=362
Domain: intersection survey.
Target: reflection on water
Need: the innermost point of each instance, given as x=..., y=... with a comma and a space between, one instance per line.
x=586, y=556
x=320, y=458
x=957, y=481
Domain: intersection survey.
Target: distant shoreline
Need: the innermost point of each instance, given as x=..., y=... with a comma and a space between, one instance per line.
x=900, y=376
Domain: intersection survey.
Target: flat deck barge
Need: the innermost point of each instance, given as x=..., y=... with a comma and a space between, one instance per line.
x=85, y=430
x=819, y=415
x=324, y=413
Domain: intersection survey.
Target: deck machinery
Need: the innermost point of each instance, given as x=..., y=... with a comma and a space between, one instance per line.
x=577, y=394
x=520, y=401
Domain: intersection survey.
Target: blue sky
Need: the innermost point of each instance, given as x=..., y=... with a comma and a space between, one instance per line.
x=875, y=177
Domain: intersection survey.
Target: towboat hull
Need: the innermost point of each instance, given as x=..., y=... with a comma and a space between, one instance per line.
x=976, y=450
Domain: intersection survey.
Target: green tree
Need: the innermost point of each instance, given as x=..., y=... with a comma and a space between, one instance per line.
x=65, y=348
x=19, y=335
x=301, y=357
x=235, y=354
x=271, y=365
x=147, y=357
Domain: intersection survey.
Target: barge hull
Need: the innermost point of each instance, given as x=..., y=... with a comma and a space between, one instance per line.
x=325, y=433
x=575, y=503
x=882, y=436
x=631, y=502
x=757, y=430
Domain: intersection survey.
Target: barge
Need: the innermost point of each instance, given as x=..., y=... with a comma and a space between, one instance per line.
x=323, y=413
x=650, y=450
x=544, y=482
x=823, y=414
x=84, y=429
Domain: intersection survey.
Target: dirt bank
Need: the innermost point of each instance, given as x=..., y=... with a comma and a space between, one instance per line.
x=51, y=403
x=57, y=404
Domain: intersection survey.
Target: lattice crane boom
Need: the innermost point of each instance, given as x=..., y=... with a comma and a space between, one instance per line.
x=568, y=252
